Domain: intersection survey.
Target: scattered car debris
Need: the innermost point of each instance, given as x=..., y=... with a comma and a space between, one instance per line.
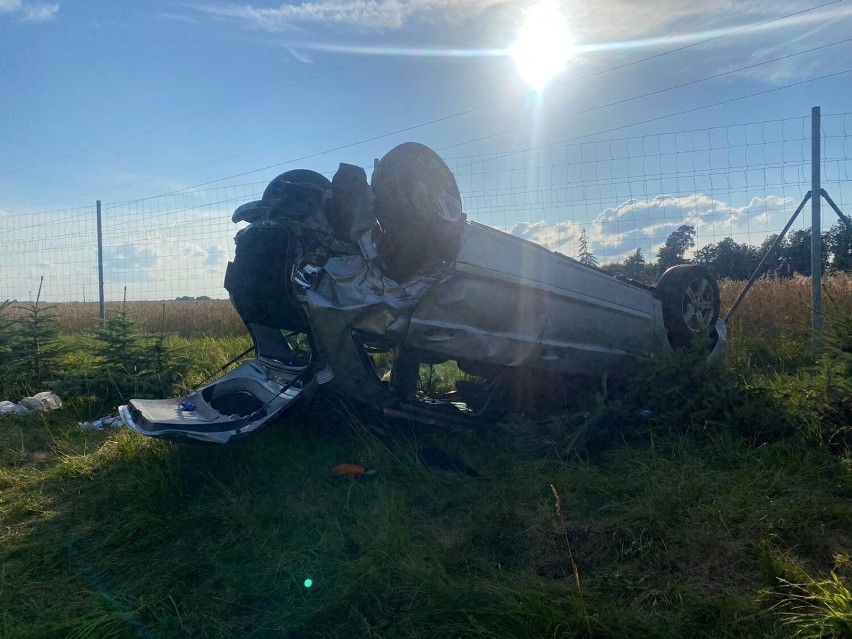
x=353, y=470
x=40, y=402
x=100, y=424
x=356, y=288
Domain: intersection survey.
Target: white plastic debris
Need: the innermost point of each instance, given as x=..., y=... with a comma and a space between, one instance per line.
x=100, y=424
x=11, y=408
x=41, y=402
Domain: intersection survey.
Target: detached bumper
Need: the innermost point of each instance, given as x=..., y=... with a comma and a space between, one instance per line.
x=237, y=404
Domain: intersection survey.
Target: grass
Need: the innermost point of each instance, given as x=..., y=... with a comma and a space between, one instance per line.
x=110, y=534
x=816, y=607
x=700, y=521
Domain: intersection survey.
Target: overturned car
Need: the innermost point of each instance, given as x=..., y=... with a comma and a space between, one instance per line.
x=355, y=287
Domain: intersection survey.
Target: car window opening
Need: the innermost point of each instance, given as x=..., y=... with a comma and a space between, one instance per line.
x=282, y=347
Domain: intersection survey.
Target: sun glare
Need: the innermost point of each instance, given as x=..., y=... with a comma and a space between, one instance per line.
x=544, y=45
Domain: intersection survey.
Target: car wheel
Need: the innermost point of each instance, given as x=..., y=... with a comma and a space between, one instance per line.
x=690, y=297
x=419, y=208
x=296, y=176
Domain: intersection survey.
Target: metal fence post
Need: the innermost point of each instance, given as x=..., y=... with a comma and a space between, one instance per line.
x=816, y=238
x=102, y=309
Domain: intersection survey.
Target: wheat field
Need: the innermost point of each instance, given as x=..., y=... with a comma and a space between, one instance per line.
x=773, y=308
x=188, y=318
x=778, y=307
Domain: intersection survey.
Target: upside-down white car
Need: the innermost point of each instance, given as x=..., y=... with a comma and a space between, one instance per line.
x=353, y=287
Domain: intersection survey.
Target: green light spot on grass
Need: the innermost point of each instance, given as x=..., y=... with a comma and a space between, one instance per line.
x=309, y=583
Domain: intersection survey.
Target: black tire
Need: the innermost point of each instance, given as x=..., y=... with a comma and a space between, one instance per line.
x=296, y=176
x=690, y=297
x=311, y=182
x=419, y=208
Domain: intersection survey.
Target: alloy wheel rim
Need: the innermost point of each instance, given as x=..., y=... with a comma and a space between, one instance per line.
x=699, y=304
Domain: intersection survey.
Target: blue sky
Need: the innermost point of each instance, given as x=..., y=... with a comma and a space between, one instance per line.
x=119, y=101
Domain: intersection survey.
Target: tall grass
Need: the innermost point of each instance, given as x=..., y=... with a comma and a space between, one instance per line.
x=781, y=307
x=188, y=318
x=773, y=308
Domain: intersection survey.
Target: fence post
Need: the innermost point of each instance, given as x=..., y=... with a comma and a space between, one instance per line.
x=816, y=239
x=102, y=309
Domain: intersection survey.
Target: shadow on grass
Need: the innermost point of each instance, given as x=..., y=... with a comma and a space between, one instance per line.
x=115, y=535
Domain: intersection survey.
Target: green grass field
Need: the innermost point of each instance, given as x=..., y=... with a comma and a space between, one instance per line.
x=726, y=513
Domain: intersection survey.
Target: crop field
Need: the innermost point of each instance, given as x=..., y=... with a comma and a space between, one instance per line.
x=780, y=306
x=700, y=502
x=187, y=318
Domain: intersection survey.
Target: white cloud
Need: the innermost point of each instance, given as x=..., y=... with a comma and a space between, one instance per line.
x=301, y=57
x=617, y=19
x=288, y=17
x=560, y=237
x=178, y=18
x=34, y=12
x=128, y=263
x=7, y=6
x=605, y=25
x=647, y=223
x=374, y=15
x=38, y=12
x=607, y=19
x=750, y=32
x=216, y=255
x=808, y=65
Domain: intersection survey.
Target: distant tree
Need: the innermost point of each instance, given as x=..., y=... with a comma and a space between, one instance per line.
x=634, y=259
x=585, y=255
x=676, y=246
x=635, y=267
x=839, y=246
x=731, y=260
x=773, y=265
x=796, y=253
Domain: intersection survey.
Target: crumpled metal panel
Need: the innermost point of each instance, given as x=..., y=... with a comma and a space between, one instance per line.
x=480, y=319
x=353, y=296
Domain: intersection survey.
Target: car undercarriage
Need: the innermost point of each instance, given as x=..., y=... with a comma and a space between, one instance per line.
x=364, y=289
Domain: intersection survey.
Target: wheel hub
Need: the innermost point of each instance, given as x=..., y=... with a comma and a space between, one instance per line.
x=698, y=305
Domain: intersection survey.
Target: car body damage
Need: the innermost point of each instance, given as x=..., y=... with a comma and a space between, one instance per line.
x=357, y=288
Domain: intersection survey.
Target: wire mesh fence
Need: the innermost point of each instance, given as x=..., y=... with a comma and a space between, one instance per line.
x=741, y=182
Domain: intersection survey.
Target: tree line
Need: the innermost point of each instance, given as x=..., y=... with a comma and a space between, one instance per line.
x=732, y=260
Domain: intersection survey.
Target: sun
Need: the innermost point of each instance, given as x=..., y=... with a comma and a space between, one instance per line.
x=544, y=45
